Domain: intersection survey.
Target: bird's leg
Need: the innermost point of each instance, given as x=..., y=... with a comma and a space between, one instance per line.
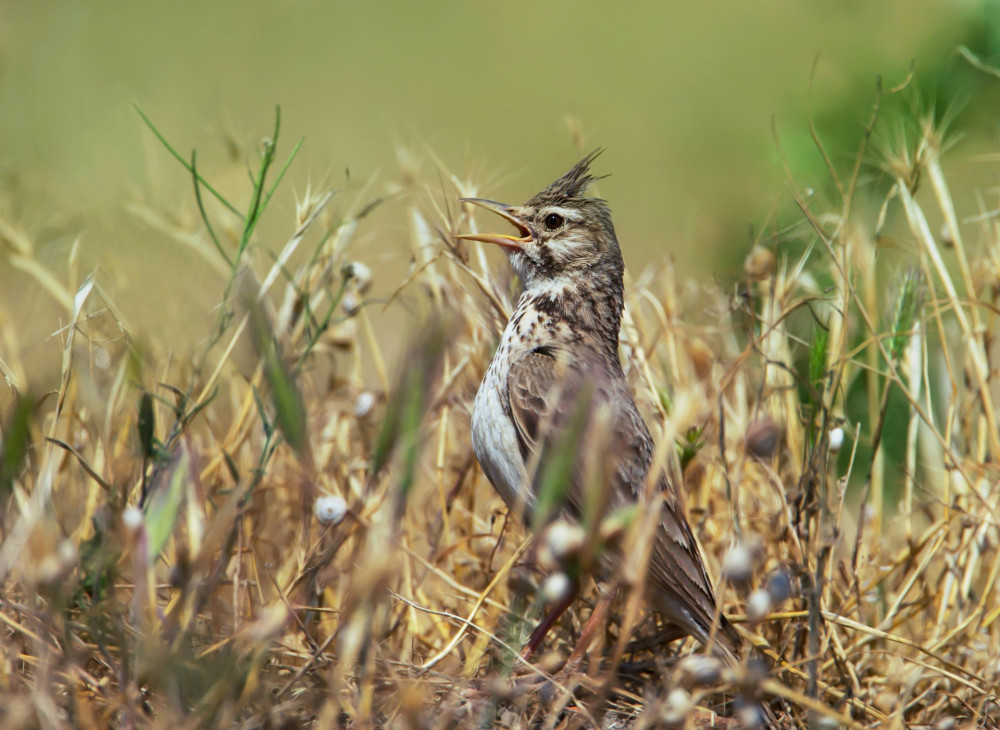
x=598, y=618
x=538, y=635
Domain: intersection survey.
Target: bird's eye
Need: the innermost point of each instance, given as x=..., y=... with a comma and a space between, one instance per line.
x=553, y=221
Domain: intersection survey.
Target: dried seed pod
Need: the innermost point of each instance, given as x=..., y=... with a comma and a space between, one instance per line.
x=779, y=587
x=343, y=335
x=702, y=358
x=759, y=263
x=945, y=237
x=762, y=437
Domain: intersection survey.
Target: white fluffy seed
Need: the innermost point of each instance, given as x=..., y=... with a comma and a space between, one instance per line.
x=361, y=274
x=679, y=704
x=758, y=605
x=822, y=722
x=351, y=303
x=749, y=717
x=330, y=509
x=67, y=552
x=132, y=517
x=364, y=404
x=738, y=565
x=945, y=236
x=556, y=587
x=836, y=439
x=563, y=538
x=701, y=669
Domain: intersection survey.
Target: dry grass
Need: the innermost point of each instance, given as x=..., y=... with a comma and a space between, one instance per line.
x=226, y=602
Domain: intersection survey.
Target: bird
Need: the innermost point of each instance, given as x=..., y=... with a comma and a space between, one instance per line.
x=560, y=350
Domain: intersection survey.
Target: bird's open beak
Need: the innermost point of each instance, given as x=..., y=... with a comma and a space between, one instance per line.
x=500, y=239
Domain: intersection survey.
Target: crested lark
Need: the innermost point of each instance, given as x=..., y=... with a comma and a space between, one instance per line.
x=560, y=348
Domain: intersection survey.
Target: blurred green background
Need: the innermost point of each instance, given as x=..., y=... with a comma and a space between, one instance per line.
x=682, y=95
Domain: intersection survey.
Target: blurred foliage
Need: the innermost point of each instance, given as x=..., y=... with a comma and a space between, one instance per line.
x=682, y=96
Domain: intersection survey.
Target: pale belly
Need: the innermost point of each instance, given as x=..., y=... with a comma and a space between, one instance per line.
x=494, y=442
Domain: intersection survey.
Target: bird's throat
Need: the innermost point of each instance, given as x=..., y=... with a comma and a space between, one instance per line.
x=563, y=309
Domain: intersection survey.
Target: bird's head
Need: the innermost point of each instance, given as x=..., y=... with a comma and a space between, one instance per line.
x=560, y=232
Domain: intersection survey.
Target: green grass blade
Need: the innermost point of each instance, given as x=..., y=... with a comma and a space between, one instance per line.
x=15, y=443
x=147, y=426
x=165, y=504
x=201, y=210
x=289, y=407
x=163, y=140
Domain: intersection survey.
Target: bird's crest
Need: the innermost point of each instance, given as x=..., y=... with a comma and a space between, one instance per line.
x=571, y=185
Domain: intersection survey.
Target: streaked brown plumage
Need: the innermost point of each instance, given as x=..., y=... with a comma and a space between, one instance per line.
x=561, y=346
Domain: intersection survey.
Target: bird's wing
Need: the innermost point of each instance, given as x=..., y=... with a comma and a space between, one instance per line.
x=533, y=386
x=681, y=588
x=553, y=397
x=542, y=391
x=554, y=393
x=546, y=390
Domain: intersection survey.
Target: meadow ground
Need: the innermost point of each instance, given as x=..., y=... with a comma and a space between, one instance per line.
x=288, y=528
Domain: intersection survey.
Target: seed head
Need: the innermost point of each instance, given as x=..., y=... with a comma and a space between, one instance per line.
x=836, y=439
x=330, y=509
x=556, y=587
x=758, y=605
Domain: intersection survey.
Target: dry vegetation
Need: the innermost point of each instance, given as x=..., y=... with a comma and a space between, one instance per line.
x=163, y=560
